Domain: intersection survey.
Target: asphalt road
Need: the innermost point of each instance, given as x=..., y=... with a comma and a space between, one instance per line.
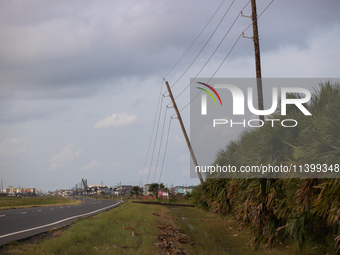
x=19, y=224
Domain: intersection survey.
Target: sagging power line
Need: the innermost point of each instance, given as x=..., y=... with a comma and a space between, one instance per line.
x=228, y=31
x=166, y=146
x=160, y=144
x=237, y=40
x=199, y=53
x=154, y=146
x=195, y=39
x=152, y=132
x=254, y=20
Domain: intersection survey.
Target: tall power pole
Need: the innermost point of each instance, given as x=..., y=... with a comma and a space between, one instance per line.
x=183, y=130
x=257, y=57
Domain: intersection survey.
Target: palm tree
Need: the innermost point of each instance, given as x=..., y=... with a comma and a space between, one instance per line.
x=154, y=187
x=136, y=191
x=284, y=208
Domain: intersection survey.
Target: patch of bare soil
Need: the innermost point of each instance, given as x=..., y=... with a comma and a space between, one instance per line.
x=171, y=238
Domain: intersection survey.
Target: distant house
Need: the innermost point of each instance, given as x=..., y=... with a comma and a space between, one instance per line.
x=26, y=191
x=123, y=190
x=98, y=189
x=162, y=193
x=68, y=192
x=40, y=192
x=9, y=190
x=29, y=190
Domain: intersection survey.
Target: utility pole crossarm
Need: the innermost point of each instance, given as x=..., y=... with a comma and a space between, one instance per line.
x=184, y=131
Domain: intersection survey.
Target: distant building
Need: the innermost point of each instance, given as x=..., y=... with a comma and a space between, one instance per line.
x=65, y=192
x=162, y=193
x=40, y=192
x=146, y=189
x=29, y=190
x=93, y=189
x=26, y=191
x=9, y=190
x=122, y=190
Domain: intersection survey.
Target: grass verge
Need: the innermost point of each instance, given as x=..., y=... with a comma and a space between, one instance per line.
x=15, y=203
x=128, y=229
x=148, y=229
x=215, y=235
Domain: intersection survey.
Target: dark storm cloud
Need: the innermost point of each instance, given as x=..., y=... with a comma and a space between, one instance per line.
x=53, y=46
x=83, y=45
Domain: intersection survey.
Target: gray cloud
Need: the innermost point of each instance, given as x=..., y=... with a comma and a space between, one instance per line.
x=86, y=44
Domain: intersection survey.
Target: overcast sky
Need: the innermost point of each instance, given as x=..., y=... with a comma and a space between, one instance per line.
x=80, y=80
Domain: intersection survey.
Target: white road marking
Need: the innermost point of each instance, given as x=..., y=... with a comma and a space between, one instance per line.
x=52, y=209
x=23, y=212
x=51, y=224
x=39, y=210
x=2, y=215
x=61, y=207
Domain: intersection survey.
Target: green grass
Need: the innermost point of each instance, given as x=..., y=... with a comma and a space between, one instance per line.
x=104, y=234
x=110, y=233
x=215, y=235
x=14, y=202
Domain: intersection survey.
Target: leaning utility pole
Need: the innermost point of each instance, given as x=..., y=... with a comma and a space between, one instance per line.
x=184, y=131
x=257, y=58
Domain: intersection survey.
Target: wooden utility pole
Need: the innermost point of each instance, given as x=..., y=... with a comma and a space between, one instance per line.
x=184, y=131
x=257, y=58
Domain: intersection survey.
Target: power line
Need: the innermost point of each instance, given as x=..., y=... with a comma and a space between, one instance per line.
x=228, y=53
x=160, y=145
x=214, y=50
x=196, y=77
x=215, y=71
x=195, y=39
x=205, y=43
x=166, y=145
x=154, y=146
x=258, y=16
x=153, y=128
